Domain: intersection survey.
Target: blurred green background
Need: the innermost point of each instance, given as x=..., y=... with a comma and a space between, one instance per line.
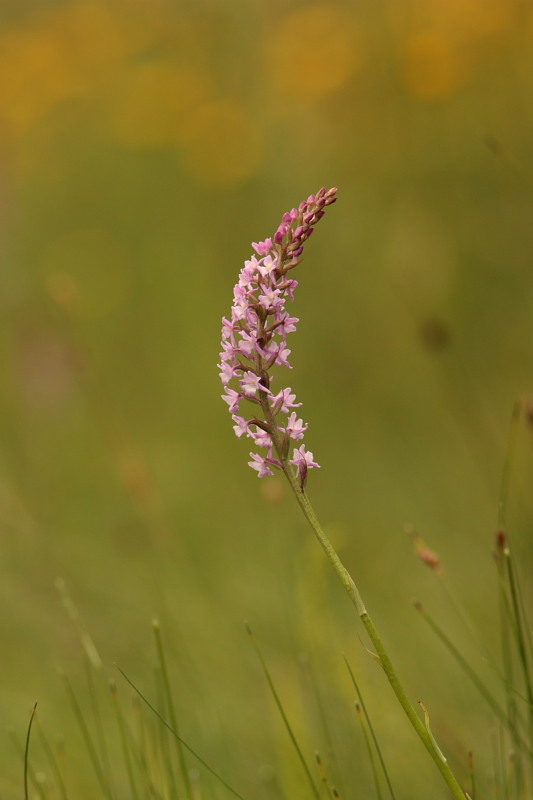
x=143, y=145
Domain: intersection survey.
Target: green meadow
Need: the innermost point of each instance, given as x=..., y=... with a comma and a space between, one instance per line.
x=143, y=147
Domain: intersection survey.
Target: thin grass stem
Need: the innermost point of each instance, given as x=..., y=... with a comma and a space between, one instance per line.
x=507, y=624
x=72, y=611
x=52, y=760
x=27, y=751
x=323, y=718
x=163, y=743
x=171, y=709
x=89, y=744
x=98, y=724
x=182, y=741
x=124, y=739
x=284, y=717
x=522, y=649
x=463, y=663
x=509, y=621
x=323, y=775
x=370, y=751
x=466, y=620
x=141, y=752
x=371, y=729
x=28, y=769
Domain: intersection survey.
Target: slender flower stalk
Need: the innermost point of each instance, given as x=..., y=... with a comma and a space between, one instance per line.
x=254, y=340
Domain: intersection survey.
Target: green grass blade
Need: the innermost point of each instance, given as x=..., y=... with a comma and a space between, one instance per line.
x=324, y=777
x=54, y=766
x=506, y=628
x=89, y=744
x=72, y=611
x=284, y=717
x=514, y=607
x=124, y=739
x=520, y=626
x=521, y=636
x=163, y=743
x=463, y=663
x=510, y=719
x=28, y=771
x=321, y=715
x=141, y=752
x=508, y=607
x=182, y=741
x=369, y=748
x=371, y=729
x=428, y=728
x=98, y=724
x=169, y=702
x=27, y=751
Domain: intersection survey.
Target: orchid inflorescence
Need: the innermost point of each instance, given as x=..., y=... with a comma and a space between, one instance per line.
x=254, y=340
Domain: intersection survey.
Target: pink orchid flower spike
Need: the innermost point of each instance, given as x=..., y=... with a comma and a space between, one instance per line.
x=254, y=339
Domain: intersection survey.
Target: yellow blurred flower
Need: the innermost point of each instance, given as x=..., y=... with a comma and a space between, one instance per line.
x=315, y=51
x=434, y=66
x=98, y=36
x=444, y=44
x=60, y=54
x=152, y=106
x=222, y=144
x=464, y=20
x=35, y=77
x=111, y=58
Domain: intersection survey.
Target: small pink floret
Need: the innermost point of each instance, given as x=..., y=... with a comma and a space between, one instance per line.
x=263, y=248
x=303, y=461
x=283, y=401
x=240, y=427
x=251, y=383
x=259, y=463
x=303, y=457
x=296, y=427
x=233, y=399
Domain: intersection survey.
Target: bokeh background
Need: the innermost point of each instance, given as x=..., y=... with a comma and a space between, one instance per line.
x=143, y=145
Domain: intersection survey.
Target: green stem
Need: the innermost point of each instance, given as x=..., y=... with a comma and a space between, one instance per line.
x=167, y=692
x=521, y=642
x=382, y=657
x=347, y=581
x=27, y=751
